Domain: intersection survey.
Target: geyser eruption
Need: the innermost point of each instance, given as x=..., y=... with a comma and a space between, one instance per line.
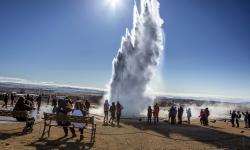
x=137, y=59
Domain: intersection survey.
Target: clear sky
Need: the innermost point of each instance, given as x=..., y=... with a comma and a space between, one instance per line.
x=73, y=42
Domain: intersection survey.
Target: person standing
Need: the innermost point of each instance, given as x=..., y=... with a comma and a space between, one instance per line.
x=156, y=113
x=207, y=113
x=233, y=116
x=6, y=99
x=28, y=97
x=248, y=120
x=180, y=113
x=149, y=114
x=106, y=112
x=32, y=101
x=189, y=114
x=238, y=116
x=38, y=103
x=12, y=97
x=87, y=105
x=54, y=104
x=48, y=100
x=172, y=115
x=202, y=117
x=112, y=110
x=65, y=107
x=119, y=109
x=245, y=118
x=175, y=113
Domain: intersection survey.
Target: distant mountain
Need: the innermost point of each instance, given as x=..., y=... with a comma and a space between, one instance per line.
x=51, y=88
x=16, y=84
x=208, y=100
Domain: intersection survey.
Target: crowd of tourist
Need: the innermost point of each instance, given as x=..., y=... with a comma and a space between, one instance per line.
x=204, y=114
x=175, y=111
x=236, y=116
x=115, y=113
x=154, y=112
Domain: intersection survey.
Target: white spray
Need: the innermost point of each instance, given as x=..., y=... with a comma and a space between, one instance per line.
x=137, y=59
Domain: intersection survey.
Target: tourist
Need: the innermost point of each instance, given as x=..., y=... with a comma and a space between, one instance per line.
x=69, y=104
x=233, y=116
x=78, y=111
x=202, y=117
x=48, y=100
x=180, y=113
x=54, y=104
x=112, y=110
x=207, y=113
x=156, y=113
x=64, y=108
x=23, y=105
x=106, y=112
x=238, y=116
x=12, y=97
x=248, y=120
x=119, y=109
x=175, y=114
x=38, y=102
x=172, y=114
x=245, y=118
x=31, y=100
x=5, y=99
x=87, y=105
x=169, y=117
x=28, y=97
x=149, y=114
x=189, y=114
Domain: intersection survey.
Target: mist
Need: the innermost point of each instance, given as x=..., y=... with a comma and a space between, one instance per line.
x=217, y=111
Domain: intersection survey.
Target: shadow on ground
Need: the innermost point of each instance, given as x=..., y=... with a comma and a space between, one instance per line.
x=206, y=135
x=60, y=143
x=4, y=136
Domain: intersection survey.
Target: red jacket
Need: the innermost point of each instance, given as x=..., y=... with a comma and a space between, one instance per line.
x=202, y=115
x=156, y=110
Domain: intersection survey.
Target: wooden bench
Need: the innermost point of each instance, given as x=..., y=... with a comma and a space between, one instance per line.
x=53, y=119
x=20, y=114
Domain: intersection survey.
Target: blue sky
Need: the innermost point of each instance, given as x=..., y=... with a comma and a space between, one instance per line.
x=73, y=42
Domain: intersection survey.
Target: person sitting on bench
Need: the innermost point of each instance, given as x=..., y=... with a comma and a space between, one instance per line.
x=64, y=108
x=78, y=111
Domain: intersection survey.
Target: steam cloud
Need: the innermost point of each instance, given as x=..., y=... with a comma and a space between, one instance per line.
x=137, y=59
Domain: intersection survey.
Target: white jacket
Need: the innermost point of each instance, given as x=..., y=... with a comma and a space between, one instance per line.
x=77, y=112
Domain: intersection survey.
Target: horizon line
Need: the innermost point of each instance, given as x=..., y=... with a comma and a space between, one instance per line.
x=4, y=79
